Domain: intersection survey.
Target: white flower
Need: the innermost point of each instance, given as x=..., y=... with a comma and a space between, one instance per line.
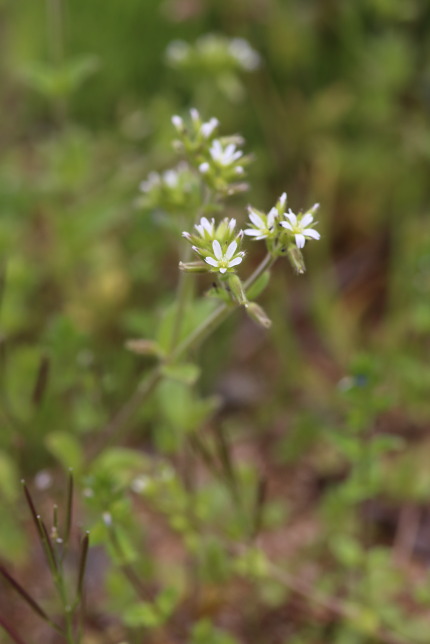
x=299, y=226
x=178, y=123
x=195, y=116
x=206, y=228
x=204, y=167
x=262, y=225
x=224, y=156
x=152, y=180
x=223, y=261
x=207, y=128
x=171, y=178
x=245, y=55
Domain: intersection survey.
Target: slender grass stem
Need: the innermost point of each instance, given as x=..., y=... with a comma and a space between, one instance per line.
x=11, y=631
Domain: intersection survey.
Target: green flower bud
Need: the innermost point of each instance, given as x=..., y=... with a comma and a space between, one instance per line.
x=296, y=259
x=258, y=315
x=236, y=289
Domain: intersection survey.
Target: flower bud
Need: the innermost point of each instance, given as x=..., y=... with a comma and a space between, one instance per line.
x=258, y=315
x=178, y=123
x=193, y=267
x=296, y=259
x=236, y=289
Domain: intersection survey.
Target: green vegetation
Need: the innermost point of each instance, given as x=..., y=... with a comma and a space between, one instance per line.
x=264, y=478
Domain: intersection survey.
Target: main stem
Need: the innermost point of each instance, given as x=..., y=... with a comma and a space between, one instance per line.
x=193, y=340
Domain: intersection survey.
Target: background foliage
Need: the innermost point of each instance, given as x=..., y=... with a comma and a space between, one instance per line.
x=329, y=409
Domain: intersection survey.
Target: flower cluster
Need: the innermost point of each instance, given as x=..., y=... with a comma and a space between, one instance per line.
x=218, y=246
x=284, y=232
x=213, y=54
x=173, y=189
x=219, y=160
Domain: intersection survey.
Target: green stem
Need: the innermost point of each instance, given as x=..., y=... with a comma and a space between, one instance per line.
x=194, y=339
x=183, y=289
x=182, y=296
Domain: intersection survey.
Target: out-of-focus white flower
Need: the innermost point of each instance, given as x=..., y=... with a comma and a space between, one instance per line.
x=140, y=483
x=205, y=228
x=152, y=180
x=245, y=55
x=221, y=261
x=207, y=128
x=178, y=123
x=224, y=156
x=262, y=226
x=177, y=51
x=170, y=178
x=299, y=225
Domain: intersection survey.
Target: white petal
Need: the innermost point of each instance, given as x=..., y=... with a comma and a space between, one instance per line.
x=231, y=250
x=283, y=199
x=256, y=219
x=211, y=261
x=207, y=225
x=310, y=232
x=194, y=114
x=222, y=270
x=315, y=207
x=273, y=213
x=204, y=167
x=292, y=217
x=300, y=240
x=306, y=220
x=217, y=249
x=287, y=225
x=232, y=225
x=229, y=150
x=252, y=232
x=235, y=261
x=186, y=235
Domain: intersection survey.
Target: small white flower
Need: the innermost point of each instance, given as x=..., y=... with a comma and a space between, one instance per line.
x=171, y=178
x=299, y=226
x=206, y=228
x=204, y=167
x=195, y=116
x=152, y=180
x=224, y=155
x=223, y=261
x=208, y=128
x=262, y=225
x=245, y=55
x=178, y=123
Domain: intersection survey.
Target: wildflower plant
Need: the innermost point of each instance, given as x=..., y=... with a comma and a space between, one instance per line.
x=217, y=164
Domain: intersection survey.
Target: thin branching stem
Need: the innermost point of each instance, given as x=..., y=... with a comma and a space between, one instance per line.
x=192, y=341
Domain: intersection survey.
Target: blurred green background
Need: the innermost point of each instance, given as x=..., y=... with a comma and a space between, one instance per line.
x=337, y=112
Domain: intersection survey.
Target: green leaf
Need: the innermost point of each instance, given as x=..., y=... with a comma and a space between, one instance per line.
x=66, y=449
x=186, y=373
x=259, y=285
x=142, y=614
x=9, y=479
